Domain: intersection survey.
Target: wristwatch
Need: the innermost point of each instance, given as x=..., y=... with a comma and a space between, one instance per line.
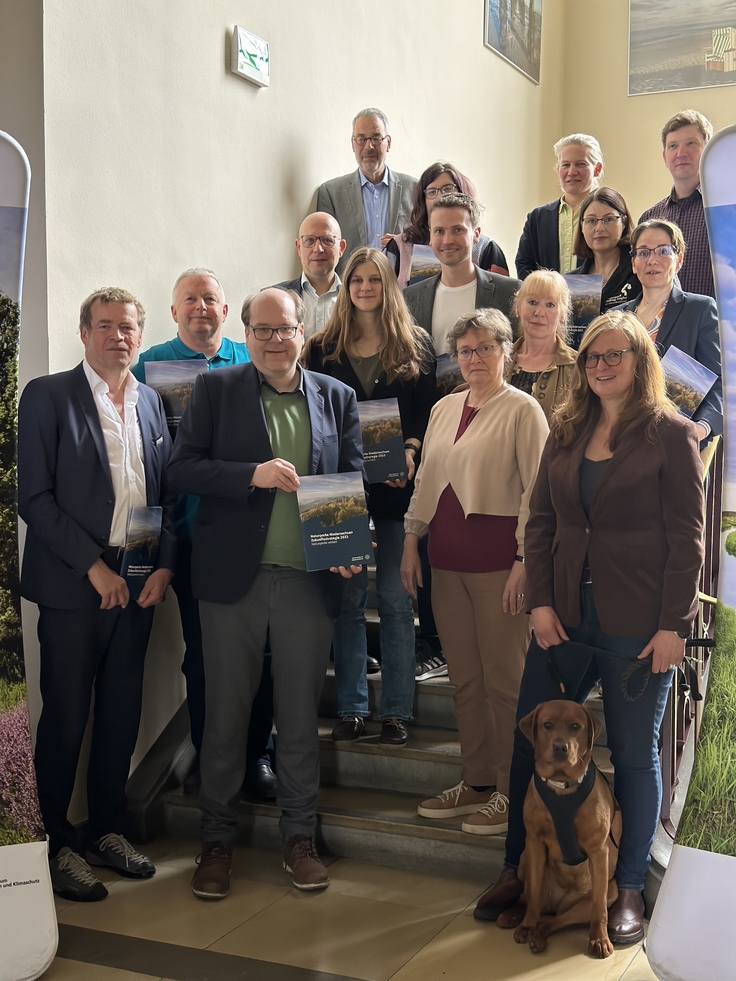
x=682, y=634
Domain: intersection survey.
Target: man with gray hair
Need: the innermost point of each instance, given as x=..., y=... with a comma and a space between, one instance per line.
x=374, y=203
x=549, y=232
x=683, y=140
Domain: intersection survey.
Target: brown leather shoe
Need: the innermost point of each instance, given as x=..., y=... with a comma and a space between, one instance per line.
x=302, y=860
x=505, y=894
x=626, y=918
x=212, y=878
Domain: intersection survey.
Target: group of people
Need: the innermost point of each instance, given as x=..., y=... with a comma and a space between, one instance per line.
x=554, y=482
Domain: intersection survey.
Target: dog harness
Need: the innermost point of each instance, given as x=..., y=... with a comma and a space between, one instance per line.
x=563, y=808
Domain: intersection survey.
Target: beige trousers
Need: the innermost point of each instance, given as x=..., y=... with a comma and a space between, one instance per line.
x=485, y=650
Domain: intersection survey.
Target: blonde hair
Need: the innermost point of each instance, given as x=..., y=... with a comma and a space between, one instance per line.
x=576, y=419
x=405, y=351
x=545, y=282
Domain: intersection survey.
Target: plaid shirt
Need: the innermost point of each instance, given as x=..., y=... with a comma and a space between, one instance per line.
x=696, y=275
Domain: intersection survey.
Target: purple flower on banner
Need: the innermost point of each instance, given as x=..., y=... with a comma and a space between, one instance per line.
x=20, y=818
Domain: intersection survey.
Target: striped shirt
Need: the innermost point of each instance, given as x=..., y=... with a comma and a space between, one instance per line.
x=696, y=274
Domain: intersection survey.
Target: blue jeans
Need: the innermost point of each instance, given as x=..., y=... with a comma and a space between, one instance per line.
x=632, y=729
x=350, y=646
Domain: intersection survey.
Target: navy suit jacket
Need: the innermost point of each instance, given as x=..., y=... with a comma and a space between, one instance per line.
x=65, y=492
x=539, y=245
x=291, y=284
x=222, y=438
x=690, y=323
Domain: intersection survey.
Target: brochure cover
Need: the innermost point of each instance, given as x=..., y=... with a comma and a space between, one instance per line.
x=449, y=375
x=383, y=440
x=424, y=263
x=585, y=292
x=141, y=547
x=174, y=381
x=687, y=380
x=334, y=520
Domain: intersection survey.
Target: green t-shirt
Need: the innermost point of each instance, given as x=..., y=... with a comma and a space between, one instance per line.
x=287, y=417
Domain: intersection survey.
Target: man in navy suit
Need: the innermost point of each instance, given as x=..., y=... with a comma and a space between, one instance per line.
x=247, y=436
x=92, y=443
x=319, y=245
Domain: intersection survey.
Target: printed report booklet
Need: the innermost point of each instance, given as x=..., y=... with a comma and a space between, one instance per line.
x=141, y=547
x=585, y=293
x=383, y=440
x=174, y=381
x=334, y=520
x=687, y=380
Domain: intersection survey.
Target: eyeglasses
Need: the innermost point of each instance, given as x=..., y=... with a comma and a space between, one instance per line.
x=605, y=220
x=611, y=358
x=432, y=192
x=286, y=332
x=375, y=141
x=483, y=351
x=660, y=250
x=309, y=241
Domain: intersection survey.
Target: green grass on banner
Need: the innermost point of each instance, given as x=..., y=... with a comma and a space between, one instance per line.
x=709, y=817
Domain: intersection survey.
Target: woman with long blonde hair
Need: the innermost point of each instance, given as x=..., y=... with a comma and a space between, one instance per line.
x=371, y=344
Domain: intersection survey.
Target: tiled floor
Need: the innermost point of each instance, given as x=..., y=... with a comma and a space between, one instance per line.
x=373, y=923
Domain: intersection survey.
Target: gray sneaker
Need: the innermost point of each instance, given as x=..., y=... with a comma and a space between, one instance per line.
x=114, y=852
x=72, y=878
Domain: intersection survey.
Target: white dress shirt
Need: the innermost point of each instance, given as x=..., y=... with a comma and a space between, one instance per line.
x=124, y=447
x=318, y=309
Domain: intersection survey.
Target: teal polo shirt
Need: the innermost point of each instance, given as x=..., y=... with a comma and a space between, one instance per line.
x=231, y=352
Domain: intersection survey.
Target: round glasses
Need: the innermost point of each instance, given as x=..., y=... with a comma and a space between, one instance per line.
x=610, y=358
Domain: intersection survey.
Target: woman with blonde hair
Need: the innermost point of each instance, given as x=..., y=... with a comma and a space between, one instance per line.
x=614, y=549
x=371, y=344
x=541, y=363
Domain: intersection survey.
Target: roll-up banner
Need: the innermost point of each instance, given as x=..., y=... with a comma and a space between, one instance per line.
x=690, y=931
x=28, y=933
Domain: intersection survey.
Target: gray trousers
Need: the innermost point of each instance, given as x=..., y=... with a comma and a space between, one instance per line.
x=285, y=607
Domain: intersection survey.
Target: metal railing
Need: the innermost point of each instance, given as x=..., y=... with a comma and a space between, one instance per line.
x=684, y=706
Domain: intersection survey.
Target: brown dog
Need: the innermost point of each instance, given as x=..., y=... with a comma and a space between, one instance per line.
x=568, y=877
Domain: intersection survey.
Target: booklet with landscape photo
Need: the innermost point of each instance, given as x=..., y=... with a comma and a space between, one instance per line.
x=334, y=519
x=141, y=547
x=383, y=440
x=449, y=375
x=687, y=380
x=585, y=292
x=174, y=381
x=424, y=263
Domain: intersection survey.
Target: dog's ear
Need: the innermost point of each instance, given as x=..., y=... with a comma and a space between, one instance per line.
x=594, y=728
x=528, y=725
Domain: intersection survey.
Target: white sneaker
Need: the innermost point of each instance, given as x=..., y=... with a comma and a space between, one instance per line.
x=461, y=799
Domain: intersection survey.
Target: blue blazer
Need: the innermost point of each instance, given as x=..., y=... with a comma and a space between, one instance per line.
x=222, y=438
x=539, y=245
x=291, y=284
x=65, y=492
x=690, y=322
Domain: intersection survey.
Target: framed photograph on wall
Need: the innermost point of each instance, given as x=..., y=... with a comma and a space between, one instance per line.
x=675, y=45
x=513, y=29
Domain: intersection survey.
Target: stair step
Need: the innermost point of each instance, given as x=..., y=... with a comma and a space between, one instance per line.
x=381, y=827
x=433, y=704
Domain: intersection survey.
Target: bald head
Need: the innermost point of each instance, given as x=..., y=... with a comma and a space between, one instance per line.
x=320, y=245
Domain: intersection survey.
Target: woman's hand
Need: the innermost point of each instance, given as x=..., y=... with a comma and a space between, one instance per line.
x=513, y=591
x=548, y=631
x=667, y=650
x=410, y=469
x=410, y=572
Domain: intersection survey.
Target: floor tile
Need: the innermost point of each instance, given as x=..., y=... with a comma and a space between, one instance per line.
x=336, y=933
x=64, y=970
x=639, y=969
x=464, y=950
x=437, y=893
x=163, y=908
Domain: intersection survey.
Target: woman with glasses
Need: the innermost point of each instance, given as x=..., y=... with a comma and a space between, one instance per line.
x=613, y=549
x=687, y=321
x=602, y=241
x=479, y=462
x=541, y=363
x=371, y=344
x=410, y=252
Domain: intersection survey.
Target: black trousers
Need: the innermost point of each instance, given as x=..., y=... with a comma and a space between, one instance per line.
x=260, y=743
x=81, y=651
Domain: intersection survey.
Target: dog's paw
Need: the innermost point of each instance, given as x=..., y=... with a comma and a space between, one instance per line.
x=521, y=934
x=600, y=948
x=511, y=918
x=538, y=942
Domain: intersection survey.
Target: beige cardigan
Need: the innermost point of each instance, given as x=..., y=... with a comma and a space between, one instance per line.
x=492, y=468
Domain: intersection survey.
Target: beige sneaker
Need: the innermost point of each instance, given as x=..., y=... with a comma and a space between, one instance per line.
x=461, y=799
x=491, y=819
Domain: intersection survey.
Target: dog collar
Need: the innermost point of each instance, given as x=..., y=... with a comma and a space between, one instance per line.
x=565, y=784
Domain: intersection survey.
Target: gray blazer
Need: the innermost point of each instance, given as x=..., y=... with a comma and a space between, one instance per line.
x=342, y=197
x=492, y=291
